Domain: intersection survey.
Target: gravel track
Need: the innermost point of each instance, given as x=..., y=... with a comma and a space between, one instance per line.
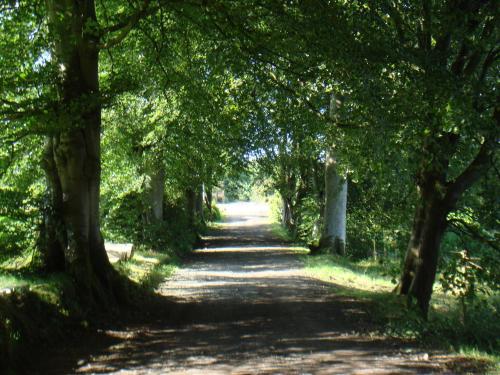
x=243, y=305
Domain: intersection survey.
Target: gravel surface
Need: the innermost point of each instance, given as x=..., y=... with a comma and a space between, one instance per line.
x=243, y=305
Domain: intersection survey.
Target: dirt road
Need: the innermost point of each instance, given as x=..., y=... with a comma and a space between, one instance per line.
x=243, y=305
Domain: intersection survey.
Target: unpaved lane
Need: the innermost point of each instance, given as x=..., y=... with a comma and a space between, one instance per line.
x=243, y=306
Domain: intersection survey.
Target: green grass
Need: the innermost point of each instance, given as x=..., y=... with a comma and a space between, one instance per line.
x=280, y=231
x=149, y=268
x=478, y=338
x=361, y=276
x=38, y=308
x=48, y=288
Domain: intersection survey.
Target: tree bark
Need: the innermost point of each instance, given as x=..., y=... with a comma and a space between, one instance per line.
x=286, y=212
x=437, y=198
x=156, y=192
x=53, y=235
x=190, y=195
x=333, y=237
x=208, y=197
x=198, y=204
x=429, y=225
x=73, y=152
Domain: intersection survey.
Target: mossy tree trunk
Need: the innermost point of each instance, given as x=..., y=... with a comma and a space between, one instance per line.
x=72, y=157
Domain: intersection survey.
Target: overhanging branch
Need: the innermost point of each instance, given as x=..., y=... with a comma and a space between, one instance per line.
x=127, y=25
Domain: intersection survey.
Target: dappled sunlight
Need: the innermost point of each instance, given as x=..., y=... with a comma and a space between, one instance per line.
x=248, y=249
x=249, y=221
x=244, y=304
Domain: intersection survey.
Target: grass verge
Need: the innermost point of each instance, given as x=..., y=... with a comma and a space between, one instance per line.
x=280, y=231
x=149, y=268
x=475, y=339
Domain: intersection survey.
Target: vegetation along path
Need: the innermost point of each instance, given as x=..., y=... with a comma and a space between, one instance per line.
x=243, y=304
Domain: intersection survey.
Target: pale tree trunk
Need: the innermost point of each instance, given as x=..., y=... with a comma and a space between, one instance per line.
x=156, y=193
x=333, y=237
x=318, y=194
x=286, y=212
x=73, y=154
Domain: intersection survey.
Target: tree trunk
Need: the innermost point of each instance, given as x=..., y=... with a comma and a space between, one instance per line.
x=429, y=223
x=334, y=228
x=420, y=264
x=52, y=235
x=190, y=206
x=208, y=198
x=73, y=153
x=198, y=204
x=286, y=212
x=374, y=250
x=156, y=192
x=437, y=198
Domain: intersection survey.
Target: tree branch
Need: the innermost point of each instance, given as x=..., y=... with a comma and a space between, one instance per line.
x=127, y=25
x=469, y=230
x=481, y=163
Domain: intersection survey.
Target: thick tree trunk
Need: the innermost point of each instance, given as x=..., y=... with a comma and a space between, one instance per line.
x=73, y=153
x=333, y=237
x=429, y=224
x=419, y=270
x=53, y=235
x=437, y=198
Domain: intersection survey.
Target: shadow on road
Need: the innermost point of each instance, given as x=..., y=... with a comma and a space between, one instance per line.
x=242, y=304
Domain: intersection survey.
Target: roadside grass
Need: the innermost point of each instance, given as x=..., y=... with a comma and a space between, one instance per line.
x=478, y=338
x=18, y=276
x=149, y=268
x=280, y=231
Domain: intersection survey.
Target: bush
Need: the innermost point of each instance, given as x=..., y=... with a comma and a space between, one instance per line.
x=309, y=221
